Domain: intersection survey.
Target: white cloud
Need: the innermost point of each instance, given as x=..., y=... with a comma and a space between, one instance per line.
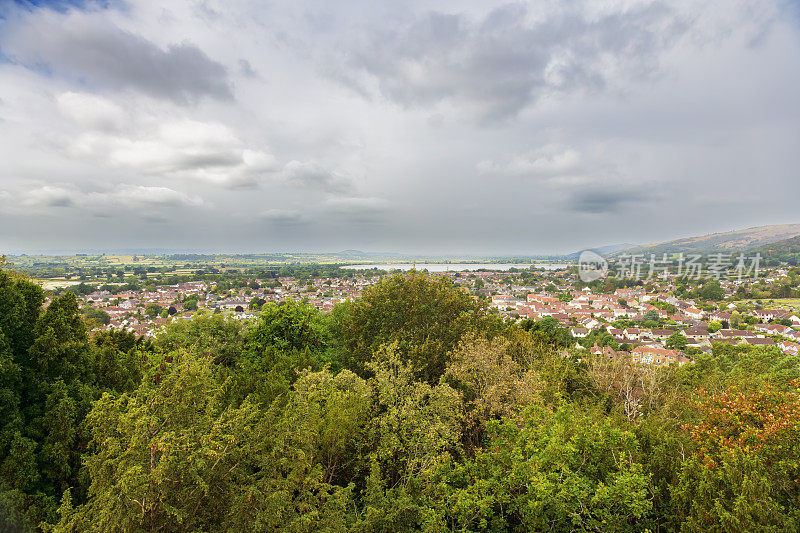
x=549, y=161
x=47, y=198
x=92, y=111
x=138, y=195
x=186, y=149
x=606, y=108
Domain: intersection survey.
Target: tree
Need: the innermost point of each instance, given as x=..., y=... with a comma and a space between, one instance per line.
x=651, y=316
x=97, y=317
x=153, y=310
x=711, y=290
x=289, y=325
x=736, y=319
x=543, y=470
x=548, y=330
x=222, y=339
x=743, y=474
x=166, y=455
x=256, y=303
x=677, y=341
x=425, y=315
x=491, y=383
x=415, y=430
x=54, y=390
x=329, y=417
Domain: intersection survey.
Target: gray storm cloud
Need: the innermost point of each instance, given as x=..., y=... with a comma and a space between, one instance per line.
x=105, y=56
x=500, y=63
x=468, y=127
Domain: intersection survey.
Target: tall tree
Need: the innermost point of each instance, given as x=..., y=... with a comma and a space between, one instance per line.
x=425, y=315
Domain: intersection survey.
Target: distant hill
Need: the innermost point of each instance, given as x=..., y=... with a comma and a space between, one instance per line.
x=611, y=248
x=786, y=246
x=785, y=251
x=602, y=250
x=731, y=241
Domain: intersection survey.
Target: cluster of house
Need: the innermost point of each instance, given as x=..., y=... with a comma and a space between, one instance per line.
x=583, y=312
x=127, y=309
x=553, y=295
x=645, y=355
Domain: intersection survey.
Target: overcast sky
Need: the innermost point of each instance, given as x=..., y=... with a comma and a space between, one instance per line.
x=407, y=126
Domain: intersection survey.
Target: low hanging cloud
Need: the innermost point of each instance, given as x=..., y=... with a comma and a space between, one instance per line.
x=139, y=195
x=45, y=198
x=549, y=161
x=311, y=175
x=184, y=149
x=49, y=196
x=190, y=150
x=611, y=198
x=497, y=64
x=357, y=210
x=574, y=182
x=88, y=48
x=284, y=217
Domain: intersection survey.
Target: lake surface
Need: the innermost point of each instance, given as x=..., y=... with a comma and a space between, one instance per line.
x=455, y=267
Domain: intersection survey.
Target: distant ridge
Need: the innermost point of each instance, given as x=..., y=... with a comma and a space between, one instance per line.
x=602, y=250
x=786, y=246
x=731, y=241
x=359, y=253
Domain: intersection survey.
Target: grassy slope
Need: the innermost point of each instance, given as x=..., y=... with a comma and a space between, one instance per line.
x=732, y=241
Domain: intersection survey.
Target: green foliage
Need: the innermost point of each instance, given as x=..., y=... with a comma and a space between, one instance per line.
x=711, y=290
x=492, y=384
x=153, y=310
x=426, y=316
x=96, y=317
x=216, y=336
x=549, y=331
x=562, y=470
x=651, y=316
x=744, y=475
x=677, y=341
x=410, y=409
x=289, y=325
x=165, y=454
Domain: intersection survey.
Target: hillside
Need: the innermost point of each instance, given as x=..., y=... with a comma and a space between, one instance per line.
x=785, y=251
x=786, y=246
x=731, y=241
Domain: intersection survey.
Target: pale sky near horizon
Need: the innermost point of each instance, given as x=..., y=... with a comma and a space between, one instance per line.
x=404, y=126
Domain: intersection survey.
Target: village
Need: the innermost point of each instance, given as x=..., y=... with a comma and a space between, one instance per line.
x=648, y=322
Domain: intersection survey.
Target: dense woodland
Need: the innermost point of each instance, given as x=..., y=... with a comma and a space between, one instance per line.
x=412, y=408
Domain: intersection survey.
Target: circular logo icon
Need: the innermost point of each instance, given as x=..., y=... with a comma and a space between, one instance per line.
x=591, y=266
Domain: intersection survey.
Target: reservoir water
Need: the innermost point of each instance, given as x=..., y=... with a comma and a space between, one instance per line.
x=456, y=267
